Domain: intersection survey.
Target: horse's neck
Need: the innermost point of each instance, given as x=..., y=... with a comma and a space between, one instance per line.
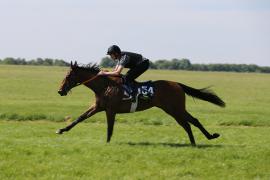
x=98, y=85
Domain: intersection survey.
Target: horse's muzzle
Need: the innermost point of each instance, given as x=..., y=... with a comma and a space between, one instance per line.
x=62, y=93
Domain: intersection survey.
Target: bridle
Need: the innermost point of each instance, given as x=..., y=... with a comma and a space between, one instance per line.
x=86, y=81
x=68, y=86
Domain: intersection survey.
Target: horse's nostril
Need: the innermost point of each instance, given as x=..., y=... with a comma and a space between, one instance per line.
x=60, y=92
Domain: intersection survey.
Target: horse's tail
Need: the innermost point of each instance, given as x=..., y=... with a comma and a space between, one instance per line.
x=204, y=94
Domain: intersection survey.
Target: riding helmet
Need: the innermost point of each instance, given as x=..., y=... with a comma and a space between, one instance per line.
x=113, y=49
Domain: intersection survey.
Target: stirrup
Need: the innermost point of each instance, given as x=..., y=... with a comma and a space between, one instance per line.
x=133, y=99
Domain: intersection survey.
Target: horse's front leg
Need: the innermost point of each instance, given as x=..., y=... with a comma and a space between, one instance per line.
x=90, y=112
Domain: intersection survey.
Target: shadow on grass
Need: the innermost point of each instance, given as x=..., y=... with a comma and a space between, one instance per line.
x=174, y=145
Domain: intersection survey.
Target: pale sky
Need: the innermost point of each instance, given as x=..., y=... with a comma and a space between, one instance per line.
x=204, y=31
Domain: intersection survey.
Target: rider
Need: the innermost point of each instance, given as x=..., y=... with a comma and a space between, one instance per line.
x=136, y=63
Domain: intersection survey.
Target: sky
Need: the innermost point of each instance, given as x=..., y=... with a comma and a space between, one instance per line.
x=204, y=31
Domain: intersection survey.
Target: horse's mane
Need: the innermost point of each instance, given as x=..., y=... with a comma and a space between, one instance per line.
x=90, y=67
x=94, y=68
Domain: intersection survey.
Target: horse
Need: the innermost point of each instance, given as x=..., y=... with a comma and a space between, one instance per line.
x=168, y=96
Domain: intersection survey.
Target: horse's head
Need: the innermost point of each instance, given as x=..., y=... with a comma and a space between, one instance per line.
x=70, y=81
x=77, y=75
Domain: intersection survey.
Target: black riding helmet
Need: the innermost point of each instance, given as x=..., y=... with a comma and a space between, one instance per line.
x=113, y=49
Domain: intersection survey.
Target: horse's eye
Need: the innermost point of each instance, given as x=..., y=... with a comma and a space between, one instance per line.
x=69, y=75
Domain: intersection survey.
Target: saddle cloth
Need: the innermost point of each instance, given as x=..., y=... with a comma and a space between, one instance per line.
x=143, y=90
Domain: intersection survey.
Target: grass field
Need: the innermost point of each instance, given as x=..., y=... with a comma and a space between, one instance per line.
x=145, y=145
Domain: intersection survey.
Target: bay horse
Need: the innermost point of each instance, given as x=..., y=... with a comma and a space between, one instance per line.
x=168, y=96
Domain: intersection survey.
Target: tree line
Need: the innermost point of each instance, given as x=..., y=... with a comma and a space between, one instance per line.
x=174, y=64
x=36, y=62
x=185, y=64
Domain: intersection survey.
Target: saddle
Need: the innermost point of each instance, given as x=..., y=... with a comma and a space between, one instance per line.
x=142, y=90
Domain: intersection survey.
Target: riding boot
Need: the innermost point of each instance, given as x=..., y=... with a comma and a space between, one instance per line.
x=123, y=79
x=133, y=88
x=133, y=96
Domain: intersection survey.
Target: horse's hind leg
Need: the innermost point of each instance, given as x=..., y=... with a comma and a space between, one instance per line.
x=181, y=121
x=196, y=123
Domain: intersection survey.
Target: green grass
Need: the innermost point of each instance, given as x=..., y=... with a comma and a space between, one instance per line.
x=30, y=93
x=31, y=150
x=145, y=145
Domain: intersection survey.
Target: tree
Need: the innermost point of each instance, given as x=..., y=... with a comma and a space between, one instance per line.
x=184, y=64
x=107, y=62
x=48, y=62
x=60, y=62
x=9, y=60
x=162, y=64
x=152, y=65
x=174, y=64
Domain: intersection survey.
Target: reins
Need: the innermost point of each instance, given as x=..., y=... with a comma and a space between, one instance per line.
x=91, y=79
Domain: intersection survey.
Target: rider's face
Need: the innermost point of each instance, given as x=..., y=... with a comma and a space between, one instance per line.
x=113, y=56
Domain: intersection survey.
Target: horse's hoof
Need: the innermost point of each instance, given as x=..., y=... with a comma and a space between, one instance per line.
x=193, y=145
x=215, y=135
x=59, y=131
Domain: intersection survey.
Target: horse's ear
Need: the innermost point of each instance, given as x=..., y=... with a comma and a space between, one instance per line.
x=71, y=64
x=75, y=64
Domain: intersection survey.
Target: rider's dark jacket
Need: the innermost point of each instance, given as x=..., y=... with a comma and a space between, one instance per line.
x=135, y=62
x=129, y=59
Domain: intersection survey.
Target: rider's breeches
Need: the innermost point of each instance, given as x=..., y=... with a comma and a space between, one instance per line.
x=133, y=73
